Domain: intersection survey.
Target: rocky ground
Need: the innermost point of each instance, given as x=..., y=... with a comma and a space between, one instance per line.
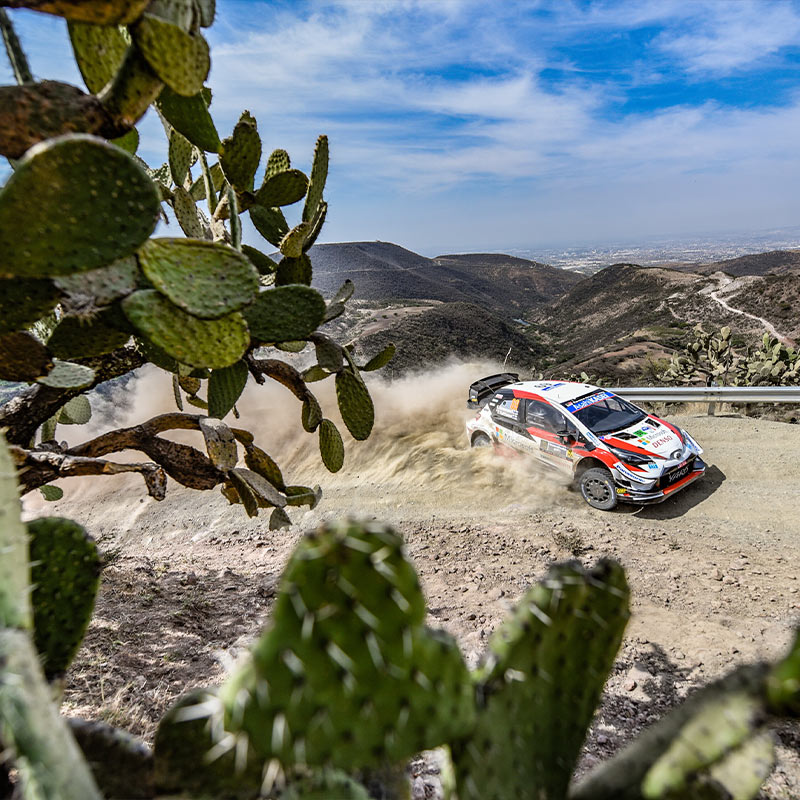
x=190, y=581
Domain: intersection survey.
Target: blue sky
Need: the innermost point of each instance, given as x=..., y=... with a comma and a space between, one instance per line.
x=470, y=125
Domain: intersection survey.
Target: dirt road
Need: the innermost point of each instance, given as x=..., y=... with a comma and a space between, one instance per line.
x=714, y=571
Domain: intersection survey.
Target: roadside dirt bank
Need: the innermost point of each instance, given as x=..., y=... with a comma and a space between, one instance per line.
x=190, y=581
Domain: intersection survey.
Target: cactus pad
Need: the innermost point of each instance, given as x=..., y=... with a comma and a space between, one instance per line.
x=23, y=357
x=24, y=300
x=103, y=285
x=180, y=152
x=262, y=463
x=179, y=58
x=186, y=213
x=316, y=184
x=65, y=570
x=285, y=314
x=225, y=386
x=264, y=264
x=77, y=411
x=49, y=762
x=331, y=446
x=292, y=244
x=540, y=683
x=197, y=342
x=189, y=116
x=355, y=404
x=15, y=610
x=99, y=205
x=96, y=12
x=278, y=161
x=240, y=154
x=270, y=223
x=294, y=270
x=77, y=337
x=205, y=279
x=325, y=785
x=99, y=51
x=68, y=375
x=181, y=750
x=380, y=359
x=282, y=189
x=347, y=675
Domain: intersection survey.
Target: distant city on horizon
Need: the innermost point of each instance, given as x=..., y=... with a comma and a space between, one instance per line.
x=657, y=250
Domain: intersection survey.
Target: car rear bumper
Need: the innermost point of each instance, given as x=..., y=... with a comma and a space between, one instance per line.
x=633, y=495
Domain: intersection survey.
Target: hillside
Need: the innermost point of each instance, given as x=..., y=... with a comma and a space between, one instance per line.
x=775, y=262
x=435, y=334
x=514, y=283
x=387, y=273
x=774, y=297
x=613, y=323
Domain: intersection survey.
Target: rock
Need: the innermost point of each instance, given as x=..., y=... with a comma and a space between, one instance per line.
x=715, y=574
x=630, y=685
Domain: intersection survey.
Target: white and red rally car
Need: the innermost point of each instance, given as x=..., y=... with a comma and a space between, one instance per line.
x=613, y=449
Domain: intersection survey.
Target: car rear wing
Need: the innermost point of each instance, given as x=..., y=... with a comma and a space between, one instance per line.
x=482, y=390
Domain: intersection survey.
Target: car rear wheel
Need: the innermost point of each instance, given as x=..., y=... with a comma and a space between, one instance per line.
x=481, y=440
x=598, y=489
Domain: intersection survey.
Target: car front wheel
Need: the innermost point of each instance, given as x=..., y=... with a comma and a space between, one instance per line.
x=598, y=489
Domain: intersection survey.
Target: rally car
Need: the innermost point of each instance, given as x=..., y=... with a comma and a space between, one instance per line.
x=613, y=449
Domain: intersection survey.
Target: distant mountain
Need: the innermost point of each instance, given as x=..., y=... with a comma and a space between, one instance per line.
x=775, y=262
x=389, y=273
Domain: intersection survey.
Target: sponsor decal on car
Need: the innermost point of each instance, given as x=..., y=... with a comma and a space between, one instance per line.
x=554, y=449
x=595, y=440
x=662, y=440
x=552, y=386
x=515, y=404
x=587, y=401
x=623, y=470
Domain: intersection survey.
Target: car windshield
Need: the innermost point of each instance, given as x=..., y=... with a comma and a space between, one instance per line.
x=602, y=412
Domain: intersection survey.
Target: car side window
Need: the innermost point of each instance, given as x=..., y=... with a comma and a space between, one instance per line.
x=545, y=417
x=508, y=408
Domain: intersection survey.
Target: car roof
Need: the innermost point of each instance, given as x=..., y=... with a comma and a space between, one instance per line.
x=554, y=391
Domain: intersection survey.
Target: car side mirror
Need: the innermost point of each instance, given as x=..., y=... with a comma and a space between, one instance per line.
x=565, y=437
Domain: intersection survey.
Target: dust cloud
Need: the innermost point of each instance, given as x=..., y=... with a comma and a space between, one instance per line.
x=417, y=456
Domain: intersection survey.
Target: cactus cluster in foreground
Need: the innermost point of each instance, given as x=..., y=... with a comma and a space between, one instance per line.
x=347, y=683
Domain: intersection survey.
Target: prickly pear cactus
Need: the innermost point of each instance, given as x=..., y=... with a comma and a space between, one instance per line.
x=65, y=576
x=347, y=675
x=539, y=685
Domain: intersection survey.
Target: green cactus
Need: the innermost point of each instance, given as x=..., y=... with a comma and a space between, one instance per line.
x=79, y=337
x=282, y=189
x=213, y=343
x=240, y=154
x=225, y=386
x=99, y=51
x=206, y=279
x=325, y=785
x=285, y=313
x=104, y=285
x=77, y=411
x=23, y=357
x=181, y=157
x=316, y=183
x=355, y=404
x=180, y=59
x=24, y=300
x=331, y=446
x=189, y=116
x=270, y=223
x=350, y=607
x=65, y=576
x=538, y=688
x=68, y=375
x=81, y=222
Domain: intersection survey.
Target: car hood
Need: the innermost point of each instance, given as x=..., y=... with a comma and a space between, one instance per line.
x=649, y=436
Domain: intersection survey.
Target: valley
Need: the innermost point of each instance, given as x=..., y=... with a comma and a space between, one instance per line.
x=619, y=324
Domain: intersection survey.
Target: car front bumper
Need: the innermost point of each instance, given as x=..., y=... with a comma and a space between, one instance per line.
x=647, y=497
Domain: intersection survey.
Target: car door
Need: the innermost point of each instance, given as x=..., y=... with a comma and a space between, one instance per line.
x=509, y=425
x=542, y=424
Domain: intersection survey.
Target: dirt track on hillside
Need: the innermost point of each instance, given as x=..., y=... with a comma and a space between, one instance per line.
x=714, y=571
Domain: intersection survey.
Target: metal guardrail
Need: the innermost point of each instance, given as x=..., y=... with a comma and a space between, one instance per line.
x=711, y=394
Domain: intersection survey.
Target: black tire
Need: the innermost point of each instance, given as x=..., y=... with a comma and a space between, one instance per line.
x=598, y=488
x=481, y=440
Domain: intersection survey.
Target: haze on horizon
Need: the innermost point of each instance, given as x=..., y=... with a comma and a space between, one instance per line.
x=461, y=125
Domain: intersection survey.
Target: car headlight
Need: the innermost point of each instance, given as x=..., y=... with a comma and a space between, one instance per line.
x=693, y=446
x=630, y=458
